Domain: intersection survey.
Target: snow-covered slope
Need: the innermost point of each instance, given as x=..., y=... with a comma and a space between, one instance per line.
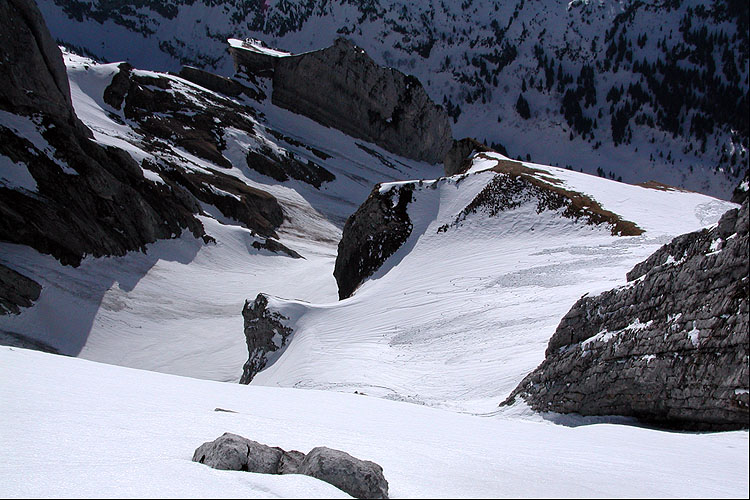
x=456, y=318
x=176, y=307
x=83, y=429
x=464, y=309
x=638, y=90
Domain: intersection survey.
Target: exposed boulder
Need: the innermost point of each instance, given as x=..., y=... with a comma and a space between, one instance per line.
x=342, y=87
x=265, y=333
x=458, y=159
x=276, y=247
x=670, y=348
x=359, y=478
x=372, y=234
x=233, y=452
x=16, y=291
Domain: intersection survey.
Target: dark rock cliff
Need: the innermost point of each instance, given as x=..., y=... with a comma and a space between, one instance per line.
x=372, y=234
x=458, y=159
x=670, y=348
x=265, y=333
x=85, y=199
x=342, y=87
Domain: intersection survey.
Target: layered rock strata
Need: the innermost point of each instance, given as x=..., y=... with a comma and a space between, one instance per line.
x=670, y=348
x=342, y=87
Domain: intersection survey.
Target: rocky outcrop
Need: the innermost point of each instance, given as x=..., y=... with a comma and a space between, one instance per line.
x=282, y=168
x=77, y=198
x=517, y=184
x=670, y=348
x=458, y=159
x=342, y=87
x=372, y=234
x=16, y=291
x=221, y=84
x=742, y=190
x=265, y=333
x=358, y=478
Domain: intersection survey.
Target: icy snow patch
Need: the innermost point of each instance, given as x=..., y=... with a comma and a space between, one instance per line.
x=16, y=175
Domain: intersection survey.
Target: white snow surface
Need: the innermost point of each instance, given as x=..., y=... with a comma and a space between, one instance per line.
x=84, y=429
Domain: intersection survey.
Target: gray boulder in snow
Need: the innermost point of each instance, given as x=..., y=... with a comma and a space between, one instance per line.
x=670, y=348
x=233, y=452
x=359, y=478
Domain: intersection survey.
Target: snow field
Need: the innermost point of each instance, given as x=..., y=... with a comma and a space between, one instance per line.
x=84, y=429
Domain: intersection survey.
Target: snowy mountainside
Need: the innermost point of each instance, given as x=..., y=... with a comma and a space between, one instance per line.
x=177, y=305
x=466, y=305
x=637, y=90
x=83, y=429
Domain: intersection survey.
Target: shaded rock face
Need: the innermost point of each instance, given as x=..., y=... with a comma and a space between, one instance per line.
x=79, y=198
x=265, y=333
x=372, y=234
x=33, y=74
x=457, y=160
x=223, y=85
x=742, y=190
x=343, y=88
x=670, y=348
x=167, y=116
x=282, y=168
x=16, y=291
x=358, y=478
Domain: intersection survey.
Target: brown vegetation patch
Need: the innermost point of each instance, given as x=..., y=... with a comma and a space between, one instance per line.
x=529, y=182
x=660, y=186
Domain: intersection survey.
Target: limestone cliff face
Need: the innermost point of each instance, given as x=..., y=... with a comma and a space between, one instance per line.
x=342, y=87
x=81, y=198
x=671, y=347
x=372, y=234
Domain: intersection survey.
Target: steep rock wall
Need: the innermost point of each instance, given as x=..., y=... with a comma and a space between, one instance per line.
x=77, y=197
x=342, y=87
x=372, y=234
x=671, y=347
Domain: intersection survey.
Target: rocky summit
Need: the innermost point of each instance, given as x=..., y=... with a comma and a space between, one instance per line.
x=670, y=347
